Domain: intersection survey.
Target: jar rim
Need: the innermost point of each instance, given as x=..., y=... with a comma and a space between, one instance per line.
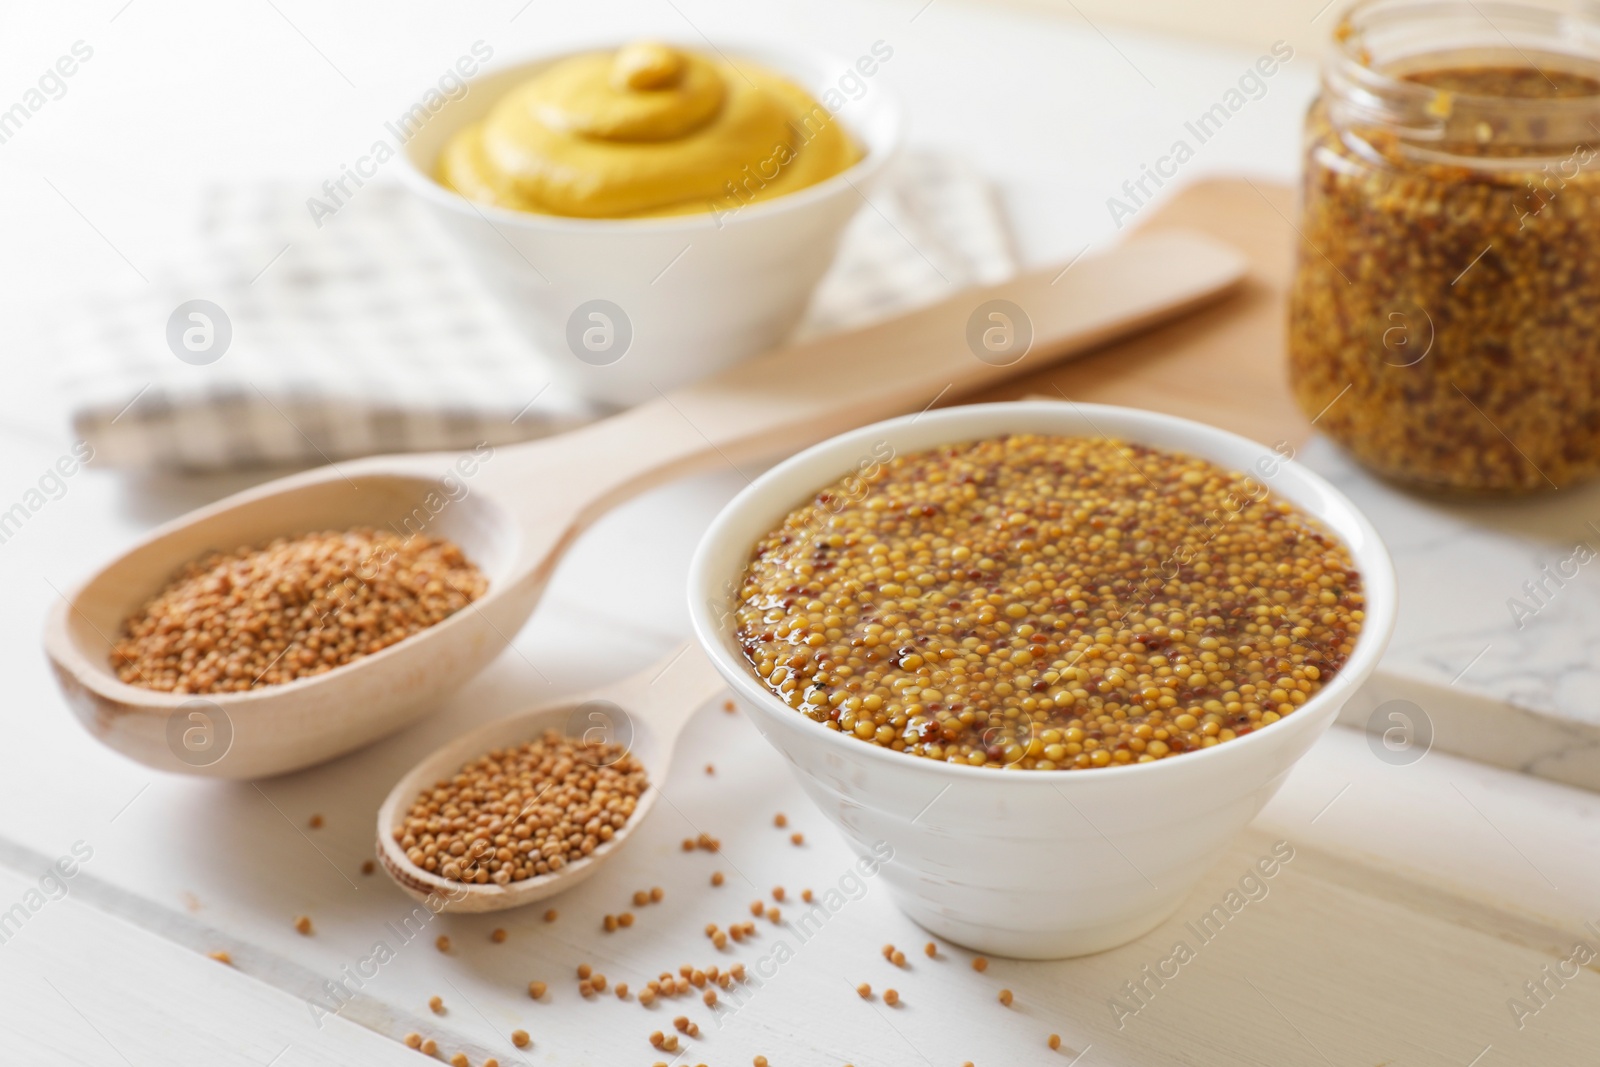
x=1365, y=88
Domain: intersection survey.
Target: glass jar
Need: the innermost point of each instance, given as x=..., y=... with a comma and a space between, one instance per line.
x=1444, y=319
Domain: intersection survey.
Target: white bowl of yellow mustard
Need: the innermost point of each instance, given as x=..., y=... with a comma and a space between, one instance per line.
x=651, y=213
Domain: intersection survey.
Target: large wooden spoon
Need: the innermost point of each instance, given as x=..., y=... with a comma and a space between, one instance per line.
x=515, y=510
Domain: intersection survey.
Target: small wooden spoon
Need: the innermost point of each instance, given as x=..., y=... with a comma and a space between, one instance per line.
x=515, y=510
x=644, y=713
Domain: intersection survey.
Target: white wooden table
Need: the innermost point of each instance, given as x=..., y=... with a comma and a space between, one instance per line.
x=1385, y=940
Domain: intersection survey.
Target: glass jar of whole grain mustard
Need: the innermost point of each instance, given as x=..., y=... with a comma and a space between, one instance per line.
x=1444, y=320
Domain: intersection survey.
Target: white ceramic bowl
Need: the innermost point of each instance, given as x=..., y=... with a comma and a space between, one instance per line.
x=1035, y=864
x=696, y=292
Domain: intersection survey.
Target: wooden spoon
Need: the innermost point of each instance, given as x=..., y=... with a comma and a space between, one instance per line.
x=644, y=713
x=515, y=510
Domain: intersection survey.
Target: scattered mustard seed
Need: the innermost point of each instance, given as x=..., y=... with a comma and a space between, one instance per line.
x=1054, y=1041
x=520, y=1038
x=797, y=839
x=584, y=970
x=222, y=956
x=430, y=1047
x=442, y=943
x=656, y=894
x=536, y=990
x=368, y=866
x=460, y=1060
x=1005, y=997
x=499, y=935
x=436, y=1005
x=864, y=990
x=780, y=820
x=303, y=924
x=413, y=1040
x=980, y=964
x=931, y=950
x=717, y=878
x=315, y=822
x=625, y=919
x=890, y=997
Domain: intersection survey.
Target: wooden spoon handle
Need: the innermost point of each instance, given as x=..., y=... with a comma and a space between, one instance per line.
x=803, y=394
x=666, y=693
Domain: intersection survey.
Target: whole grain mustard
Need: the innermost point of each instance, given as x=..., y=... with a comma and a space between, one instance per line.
x=1047, y=603
x=646, y=130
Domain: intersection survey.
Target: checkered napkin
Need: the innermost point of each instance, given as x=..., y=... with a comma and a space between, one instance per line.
x=370, y=334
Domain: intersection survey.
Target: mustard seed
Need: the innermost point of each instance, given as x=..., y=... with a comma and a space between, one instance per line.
x=688, y=844
x=640, y=898
x=499, y=935
x=609, y=923
x=647, y=996
x=536, y=990
x=222, y=956
x=430, y=1047
x=1005, y=997
x=774, y=915
x=1048, y=603
x=625, y=919
x=719, y=939
x=898, y=958
x=709, y=997
x=797, y=839
x=303, y=924
x=656, y=894
x=436, y=1005
x=888, y=952
x=315, y=822
x=980, y=964
x=599, y=983
x=890, y=997
x=585, y=988
x=520, y=1038
x=294, y=607
x=413, y=1040
x=716, y=878
x=681, y=1024
x=710, y=769
x=584, y=970
x=930, y=950
x=778, y=894
x=442, y=943
x=758, y=908
x=551, y=915
x=780, y=820
x=622, y=990
x=760, y=1061
x=806, y=895
x=518, y=813
x=459, y=1060
x=864, y=990
x=1054, y=1041
x=368, y=866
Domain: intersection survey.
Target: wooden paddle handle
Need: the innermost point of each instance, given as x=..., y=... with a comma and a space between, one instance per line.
x=797, y=396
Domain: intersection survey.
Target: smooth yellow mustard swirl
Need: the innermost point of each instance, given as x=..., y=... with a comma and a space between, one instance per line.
x=646, y=130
